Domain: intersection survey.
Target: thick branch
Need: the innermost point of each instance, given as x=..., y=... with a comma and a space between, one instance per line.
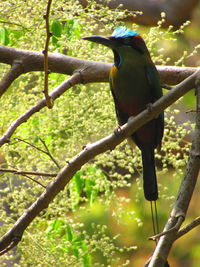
x=58, y=63
x=13, y=236
x=14, y=72
x=92, y=71
x=184, y=196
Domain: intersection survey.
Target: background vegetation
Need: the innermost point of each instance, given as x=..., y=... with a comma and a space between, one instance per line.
x=101, y=218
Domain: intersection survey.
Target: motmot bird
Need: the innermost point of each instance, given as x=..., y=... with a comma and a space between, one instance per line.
x=135, y=84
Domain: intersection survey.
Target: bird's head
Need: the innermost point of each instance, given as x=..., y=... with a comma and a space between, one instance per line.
x=121, y=36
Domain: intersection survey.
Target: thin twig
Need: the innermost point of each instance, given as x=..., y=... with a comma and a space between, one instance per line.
x=28, y=172
x=49, y=101
x=49, y=153
x=16, y=24
x=33, y=180
x=188, y=227
x=28, y=143
x=173, y=229
x=192, y=110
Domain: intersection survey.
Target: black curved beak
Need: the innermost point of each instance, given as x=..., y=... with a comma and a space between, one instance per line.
x=101, y=40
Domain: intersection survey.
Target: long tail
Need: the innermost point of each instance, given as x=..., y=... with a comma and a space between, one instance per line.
x=149, y=175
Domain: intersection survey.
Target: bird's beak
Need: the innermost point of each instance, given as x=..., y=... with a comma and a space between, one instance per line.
x=101, y=40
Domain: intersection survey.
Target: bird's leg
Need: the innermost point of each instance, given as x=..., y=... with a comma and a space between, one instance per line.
x=165, y=86
x=117, y=131
x=154, y=216
x=149, y=107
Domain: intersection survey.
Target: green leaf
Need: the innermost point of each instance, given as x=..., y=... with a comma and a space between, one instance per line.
x=4, y=36
x=79, y=182
x=69, y=233
x=56, y=28
x=55, y=228
x=89, y=187
x=72, y=28
x=75, y=252
x=87, y=260
x=189, y=99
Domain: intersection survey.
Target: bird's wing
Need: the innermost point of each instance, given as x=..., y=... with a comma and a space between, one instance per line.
x=156, y=91
x=122, y=117
x=154, y=81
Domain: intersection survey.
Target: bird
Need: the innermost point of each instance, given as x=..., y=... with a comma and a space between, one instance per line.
x=135, y=85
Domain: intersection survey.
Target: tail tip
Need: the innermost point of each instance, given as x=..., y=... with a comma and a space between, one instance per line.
x=151, y=196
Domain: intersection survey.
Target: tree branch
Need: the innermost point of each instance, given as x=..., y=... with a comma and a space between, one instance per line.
x=188, y=227
x=14, y=72
x=75, y=79
x=184, y=196
x=47, y=152
x=33, y=180
x=92, y=71
x=44, y=174
x=49, y=101
x=84, y=72
x=90, y=151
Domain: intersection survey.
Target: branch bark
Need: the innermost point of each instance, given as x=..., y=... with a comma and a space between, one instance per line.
x=14, y=235
x=184, y=196
x=92, y=71
x=14, y=72
x=49, y=101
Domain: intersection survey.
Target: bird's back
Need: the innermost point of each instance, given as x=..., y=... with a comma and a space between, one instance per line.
x=133, y=90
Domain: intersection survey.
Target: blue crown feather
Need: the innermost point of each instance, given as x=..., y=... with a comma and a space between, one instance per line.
x=123, y=32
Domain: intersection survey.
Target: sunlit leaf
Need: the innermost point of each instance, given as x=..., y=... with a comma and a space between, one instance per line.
x=4, y=36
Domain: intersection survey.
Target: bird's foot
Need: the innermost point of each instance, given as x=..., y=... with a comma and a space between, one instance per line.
x=165, y=86
x=149, y=107
x=117, y=131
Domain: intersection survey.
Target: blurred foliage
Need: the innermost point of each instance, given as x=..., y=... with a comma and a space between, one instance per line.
x=101, y=218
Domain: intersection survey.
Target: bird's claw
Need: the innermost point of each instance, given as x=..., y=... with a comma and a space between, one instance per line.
x=117, y=131
x=149, y=107
x=165, y=86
